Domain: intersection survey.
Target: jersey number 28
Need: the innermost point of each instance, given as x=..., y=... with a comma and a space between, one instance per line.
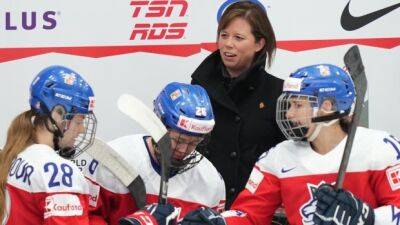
x=66, y=174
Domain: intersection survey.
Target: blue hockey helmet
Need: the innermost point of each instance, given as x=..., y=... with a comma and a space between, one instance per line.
x=316, y=83
x=324, y=81
x=185, y=108
x=58, y=86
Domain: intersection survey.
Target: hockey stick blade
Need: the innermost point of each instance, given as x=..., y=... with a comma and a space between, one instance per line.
x=108, y=157
x=353, y=62
x=139, y=112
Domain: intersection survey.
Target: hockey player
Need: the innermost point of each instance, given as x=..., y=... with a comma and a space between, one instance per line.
x=300, y=172
x=37, y=186
x=186, y=111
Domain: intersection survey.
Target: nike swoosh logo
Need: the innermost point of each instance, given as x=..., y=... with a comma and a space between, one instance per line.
x=287, y=170
x=351, y=23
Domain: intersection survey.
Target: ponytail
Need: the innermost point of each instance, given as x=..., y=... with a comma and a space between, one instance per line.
x=20, y=135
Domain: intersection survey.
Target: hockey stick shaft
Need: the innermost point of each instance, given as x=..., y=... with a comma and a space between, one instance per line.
x=165, y=147
x=354, y=64
x=114, y=162
x=139, y=112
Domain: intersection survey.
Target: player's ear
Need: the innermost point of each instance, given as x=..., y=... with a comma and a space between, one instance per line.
x=58, y=114
x=327, y=106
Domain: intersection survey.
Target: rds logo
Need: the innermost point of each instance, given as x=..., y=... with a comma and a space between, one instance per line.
x=154, y=10
x=229, y=2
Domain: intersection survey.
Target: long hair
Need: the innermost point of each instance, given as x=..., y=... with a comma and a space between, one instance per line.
x=261, y=27
x=20, y=135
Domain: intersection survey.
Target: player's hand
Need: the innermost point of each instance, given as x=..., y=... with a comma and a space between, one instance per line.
x=203, y=216
x=153, y=214
x=341, y=208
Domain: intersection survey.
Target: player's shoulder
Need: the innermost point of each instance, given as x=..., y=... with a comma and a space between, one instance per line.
x=380, y=147
x=43, y=156
x=40, y=169
x=208, y=170
x=369, y=135
x=370, y=140
x=129, y=143
x=132, y=148
x=283, y=151
x=205, y=177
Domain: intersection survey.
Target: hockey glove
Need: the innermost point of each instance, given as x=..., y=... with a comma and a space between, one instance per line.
x=341, y=208
x=153, y=214
x=203, y=216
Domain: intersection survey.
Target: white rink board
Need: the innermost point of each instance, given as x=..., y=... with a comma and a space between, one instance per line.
x=95, y=28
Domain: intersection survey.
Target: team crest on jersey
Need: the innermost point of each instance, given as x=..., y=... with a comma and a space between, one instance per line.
x=308, y=209
x=395, y=215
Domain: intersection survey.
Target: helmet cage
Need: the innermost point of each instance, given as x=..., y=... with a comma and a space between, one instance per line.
x=85, y=139
x=181, y=165
x=294, y=130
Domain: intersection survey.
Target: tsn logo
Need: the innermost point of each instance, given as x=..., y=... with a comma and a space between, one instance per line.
x=153, y=9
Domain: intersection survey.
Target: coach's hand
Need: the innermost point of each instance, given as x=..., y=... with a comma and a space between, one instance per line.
x=153, y=214
x=341, y=208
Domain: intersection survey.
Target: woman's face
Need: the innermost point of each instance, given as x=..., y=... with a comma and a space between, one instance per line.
x=300, y=113
x=74, y=128
x=238, y=46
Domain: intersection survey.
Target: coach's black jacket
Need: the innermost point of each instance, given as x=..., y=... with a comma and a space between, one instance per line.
x=244, y=111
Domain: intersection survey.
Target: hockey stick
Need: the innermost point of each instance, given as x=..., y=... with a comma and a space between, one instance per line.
x=138, y=111
x=354, y=64
x=107, y=156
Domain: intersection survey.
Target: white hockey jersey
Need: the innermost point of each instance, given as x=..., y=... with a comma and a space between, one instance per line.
x=292, y=171
x=202, y=185
x=43, y=188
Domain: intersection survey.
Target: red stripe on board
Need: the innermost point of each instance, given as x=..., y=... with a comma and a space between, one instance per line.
x=9, y=54
x=304, y=45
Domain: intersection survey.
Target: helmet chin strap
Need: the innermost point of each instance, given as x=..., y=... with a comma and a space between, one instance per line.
x=320, y=125
x=66, y=152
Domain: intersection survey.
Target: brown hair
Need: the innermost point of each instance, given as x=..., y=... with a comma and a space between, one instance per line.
x=20, y=135
x=345, y=123
x=260, y=25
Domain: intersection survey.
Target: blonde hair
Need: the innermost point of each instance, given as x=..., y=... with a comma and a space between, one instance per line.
x=20, y=135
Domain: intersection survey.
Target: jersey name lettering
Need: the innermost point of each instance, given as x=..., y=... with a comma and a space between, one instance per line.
x=21, y=170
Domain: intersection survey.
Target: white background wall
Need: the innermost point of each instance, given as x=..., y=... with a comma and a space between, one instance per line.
x=93, y=38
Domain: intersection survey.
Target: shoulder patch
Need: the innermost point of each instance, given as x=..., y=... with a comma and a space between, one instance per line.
x=393, y=176
x=62, y=205
x=255, y=179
